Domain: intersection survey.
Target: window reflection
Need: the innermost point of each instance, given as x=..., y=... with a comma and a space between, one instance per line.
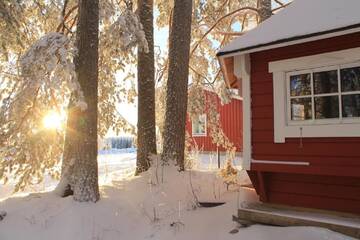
x=326, y=107
x=351, y=105
x=300, y=85
x=301, y=109
x=325, y=82
x=350, y=79
x=317, y=94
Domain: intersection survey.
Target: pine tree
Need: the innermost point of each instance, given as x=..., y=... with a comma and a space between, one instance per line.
x=80, y=170
x=146, y=134
x=177, y=84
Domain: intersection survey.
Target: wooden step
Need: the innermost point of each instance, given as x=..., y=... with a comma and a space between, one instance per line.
x=277, y=215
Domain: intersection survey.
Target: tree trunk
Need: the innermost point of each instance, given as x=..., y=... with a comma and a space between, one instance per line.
x=80, y=170
x=177, y=84
x=146, y=135
x=264, y=7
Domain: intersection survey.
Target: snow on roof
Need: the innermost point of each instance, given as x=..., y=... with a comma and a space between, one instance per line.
x=301, y=19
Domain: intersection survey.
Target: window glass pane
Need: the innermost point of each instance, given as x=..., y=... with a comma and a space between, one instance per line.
x=199, y=125
x=350, y=79
x=326, y=107
x=325, y=82
x=301, y=109
x=300, y=85
x=351, y=105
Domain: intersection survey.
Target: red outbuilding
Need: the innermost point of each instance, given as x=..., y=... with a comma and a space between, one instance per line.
x=230, y=119
x=299, y=77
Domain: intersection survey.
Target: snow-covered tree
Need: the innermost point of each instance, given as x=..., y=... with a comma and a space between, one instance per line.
x=177, y=83
x=146, y=134
x=81, y=136
x=37, y=78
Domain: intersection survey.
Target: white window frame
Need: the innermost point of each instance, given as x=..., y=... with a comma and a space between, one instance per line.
x=199, y=134
x=281, y=70
x=339, y=94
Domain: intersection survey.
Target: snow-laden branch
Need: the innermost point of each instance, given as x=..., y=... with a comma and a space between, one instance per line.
x=49, y=63
x=128, y=32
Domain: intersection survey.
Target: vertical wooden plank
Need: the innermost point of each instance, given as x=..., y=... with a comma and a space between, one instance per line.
x=262, y=187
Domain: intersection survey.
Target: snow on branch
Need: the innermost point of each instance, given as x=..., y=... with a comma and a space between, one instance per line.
x=128, y=32
x=49, y=63
x=223, y=92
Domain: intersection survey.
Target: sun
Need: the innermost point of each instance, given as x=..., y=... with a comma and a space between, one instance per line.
x=53, y=120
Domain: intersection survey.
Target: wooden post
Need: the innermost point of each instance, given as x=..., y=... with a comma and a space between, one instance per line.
x=262, y=186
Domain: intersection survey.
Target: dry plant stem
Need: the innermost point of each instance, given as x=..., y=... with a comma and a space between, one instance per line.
x=193, y=191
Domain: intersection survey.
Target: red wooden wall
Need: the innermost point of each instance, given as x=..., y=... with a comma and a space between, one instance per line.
x=332, y=180
x=231, y=122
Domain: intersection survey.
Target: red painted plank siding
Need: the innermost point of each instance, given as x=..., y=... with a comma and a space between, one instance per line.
x=231, y=122
x=332, y=180
x=317, y=151
x=311, y=191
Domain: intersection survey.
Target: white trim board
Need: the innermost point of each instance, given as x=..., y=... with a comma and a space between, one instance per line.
x=316, y=61
x=282, y=129
x=242, y=72
x=281, y=162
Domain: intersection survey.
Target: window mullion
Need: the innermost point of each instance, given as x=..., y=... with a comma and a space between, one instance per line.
x=340, y=100
x=350, y=93
x=326, y=94
x=298, y=97
x=312, y=96
x=288, y=98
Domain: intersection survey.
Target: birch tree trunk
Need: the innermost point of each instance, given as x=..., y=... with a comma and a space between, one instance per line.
x=264, y=7
x=80, y=170
x=177, y=84
x=146, y=135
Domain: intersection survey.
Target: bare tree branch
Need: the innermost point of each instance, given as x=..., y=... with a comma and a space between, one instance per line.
x=230, y=33
x=65, y=18
x=217, y=22
x=279, y=2
x=281, y=7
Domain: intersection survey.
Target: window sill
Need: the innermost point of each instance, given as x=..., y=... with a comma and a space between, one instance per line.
x=317, y=131
x=319, y=122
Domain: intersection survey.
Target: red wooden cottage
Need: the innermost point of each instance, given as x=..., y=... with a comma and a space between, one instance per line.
x=299, y=76
x=230, y=118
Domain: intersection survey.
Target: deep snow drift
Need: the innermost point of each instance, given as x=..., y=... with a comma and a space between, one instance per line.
x=142, y=207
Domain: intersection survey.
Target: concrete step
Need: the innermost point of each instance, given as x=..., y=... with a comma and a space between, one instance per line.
x=279, y=215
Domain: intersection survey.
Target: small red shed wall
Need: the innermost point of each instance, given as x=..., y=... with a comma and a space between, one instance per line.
x=332, y=180
x=231, y=122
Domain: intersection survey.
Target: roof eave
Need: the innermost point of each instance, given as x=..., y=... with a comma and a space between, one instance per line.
x=292, y=41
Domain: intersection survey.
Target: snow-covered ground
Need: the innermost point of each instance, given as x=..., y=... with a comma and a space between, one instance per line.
x=143, y=207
